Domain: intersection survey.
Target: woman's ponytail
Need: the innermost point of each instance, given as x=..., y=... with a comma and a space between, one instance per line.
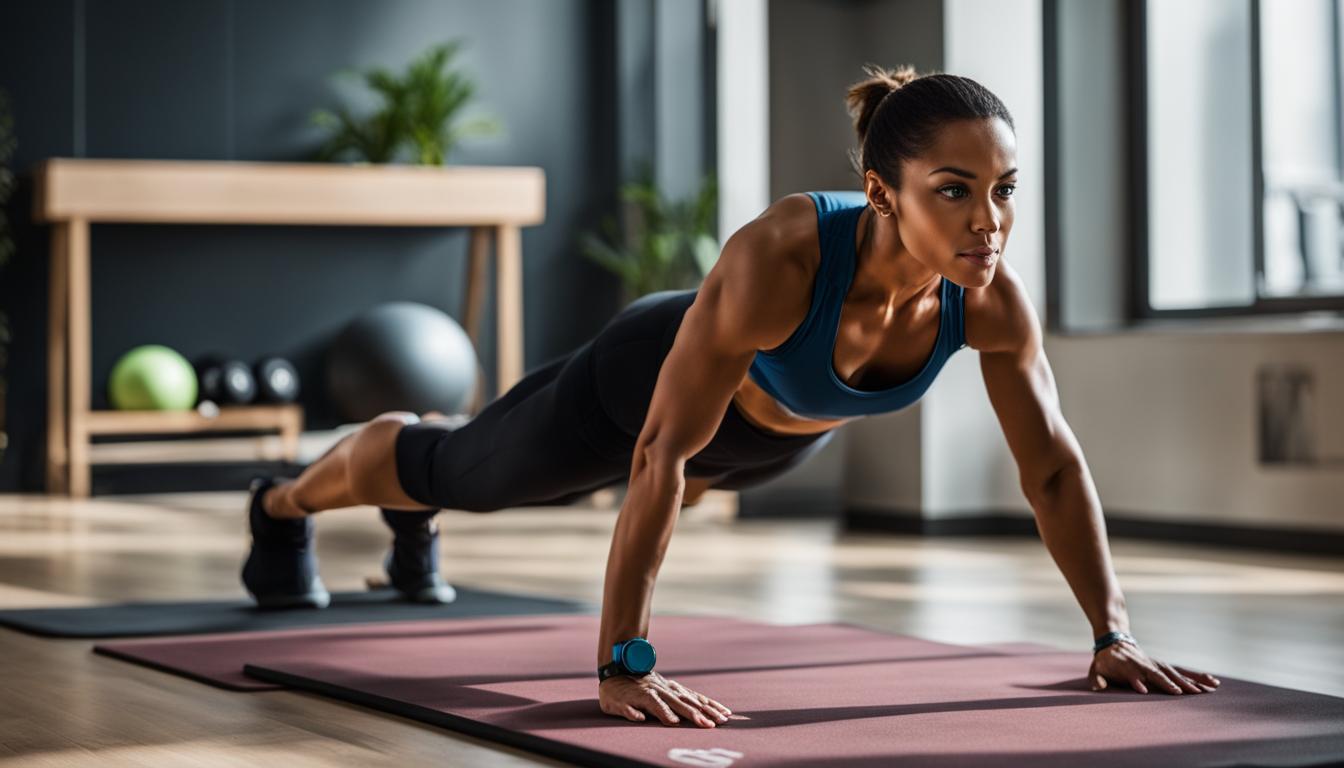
x=864, y=96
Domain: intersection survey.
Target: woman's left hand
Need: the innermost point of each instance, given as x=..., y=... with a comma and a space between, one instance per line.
x=1126, y=663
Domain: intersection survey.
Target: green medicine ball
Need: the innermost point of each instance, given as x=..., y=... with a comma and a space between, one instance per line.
x=152, y=378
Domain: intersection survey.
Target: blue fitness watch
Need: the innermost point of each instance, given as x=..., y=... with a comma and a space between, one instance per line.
x=633, y=657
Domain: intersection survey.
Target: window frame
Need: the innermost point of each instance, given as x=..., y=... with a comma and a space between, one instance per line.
x=1140, y=306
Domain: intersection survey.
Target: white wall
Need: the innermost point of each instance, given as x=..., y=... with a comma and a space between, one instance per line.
x=1168, y=423
x=743, y=108
x=679, y=148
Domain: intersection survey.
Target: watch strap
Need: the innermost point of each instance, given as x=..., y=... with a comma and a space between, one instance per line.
x=1111, y=638
x=613, y=668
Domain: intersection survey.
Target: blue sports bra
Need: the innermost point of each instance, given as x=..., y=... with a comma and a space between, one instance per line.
x=800, y=374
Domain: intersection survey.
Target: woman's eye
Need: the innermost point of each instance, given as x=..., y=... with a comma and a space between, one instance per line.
x=1007, y=190
x=950, y=188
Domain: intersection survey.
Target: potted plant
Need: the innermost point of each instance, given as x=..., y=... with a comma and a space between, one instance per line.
x=665, y=245
x=420, y=114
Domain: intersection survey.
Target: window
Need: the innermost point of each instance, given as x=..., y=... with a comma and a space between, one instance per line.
x=1300, y=65
x=1242, y=173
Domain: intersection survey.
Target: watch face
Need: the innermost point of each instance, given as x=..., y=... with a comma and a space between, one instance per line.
x=638, y=655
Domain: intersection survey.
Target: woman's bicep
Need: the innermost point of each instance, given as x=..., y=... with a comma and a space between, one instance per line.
x=703, y=369
x=754, y=297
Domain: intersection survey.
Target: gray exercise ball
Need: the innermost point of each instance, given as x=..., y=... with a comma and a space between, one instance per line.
x=401, y=356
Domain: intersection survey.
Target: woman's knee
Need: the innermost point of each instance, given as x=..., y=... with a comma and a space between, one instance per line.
x=402, y=417
x=371, y=462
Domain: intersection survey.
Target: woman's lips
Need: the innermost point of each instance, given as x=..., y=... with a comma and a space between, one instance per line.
x=984, y=256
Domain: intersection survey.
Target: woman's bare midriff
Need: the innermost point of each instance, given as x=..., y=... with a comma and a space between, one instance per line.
x=761, y=410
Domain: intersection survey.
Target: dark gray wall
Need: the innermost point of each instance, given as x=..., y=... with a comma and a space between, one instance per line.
x=666, y=120
x=817, y=50
x=237, y=80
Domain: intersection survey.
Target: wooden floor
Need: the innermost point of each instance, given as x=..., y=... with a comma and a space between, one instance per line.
x=1271, y=618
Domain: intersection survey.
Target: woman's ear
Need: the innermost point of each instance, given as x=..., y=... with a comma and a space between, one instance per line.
x=879, y=197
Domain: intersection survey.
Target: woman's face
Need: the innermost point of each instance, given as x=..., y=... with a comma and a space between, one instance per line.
x=955, y=206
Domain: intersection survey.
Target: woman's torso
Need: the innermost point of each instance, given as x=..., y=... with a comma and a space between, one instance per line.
x=876, y=347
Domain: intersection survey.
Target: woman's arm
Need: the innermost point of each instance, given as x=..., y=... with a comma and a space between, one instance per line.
x=1051, y=468
x=1055, y=478
x=752, y=299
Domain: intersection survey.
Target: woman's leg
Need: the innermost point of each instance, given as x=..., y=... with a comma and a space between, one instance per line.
x=361, y=467
x=356, y=470
x=538, y=446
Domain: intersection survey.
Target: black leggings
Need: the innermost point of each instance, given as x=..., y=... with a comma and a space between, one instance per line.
x=569, y=427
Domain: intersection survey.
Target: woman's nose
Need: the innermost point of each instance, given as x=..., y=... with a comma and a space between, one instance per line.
x=984, y=225
x=985, y=222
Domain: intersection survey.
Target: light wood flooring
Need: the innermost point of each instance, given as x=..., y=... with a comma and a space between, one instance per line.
x=1271, y=618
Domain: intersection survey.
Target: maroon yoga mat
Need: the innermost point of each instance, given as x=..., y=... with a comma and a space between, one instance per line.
x=828, y=694
x=218, y=659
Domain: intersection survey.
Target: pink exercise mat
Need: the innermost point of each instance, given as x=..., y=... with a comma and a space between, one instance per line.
x=822, y=694
x=218, y=659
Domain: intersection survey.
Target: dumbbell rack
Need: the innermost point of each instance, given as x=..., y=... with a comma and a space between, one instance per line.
x=72, y=194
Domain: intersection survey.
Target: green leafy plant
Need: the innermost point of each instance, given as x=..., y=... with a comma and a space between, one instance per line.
x=419, y=115
x=666, y=245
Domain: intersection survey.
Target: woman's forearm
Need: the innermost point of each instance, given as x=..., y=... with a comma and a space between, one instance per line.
x=643, y=529
x=1069, y=518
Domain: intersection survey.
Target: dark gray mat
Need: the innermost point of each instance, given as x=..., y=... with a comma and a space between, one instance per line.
x=215, y=616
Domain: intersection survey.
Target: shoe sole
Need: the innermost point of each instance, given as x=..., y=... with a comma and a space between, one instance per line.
x=436, y=592
x=306, y=600
x=440, y=594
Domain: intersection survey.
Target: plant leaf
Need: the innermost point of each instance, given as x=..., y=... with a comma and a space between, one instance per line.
x=706, y=251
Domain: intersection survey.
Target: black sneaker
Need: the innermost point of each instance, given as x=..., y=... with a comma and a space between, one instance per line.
x=412, y=564
x=281, y=569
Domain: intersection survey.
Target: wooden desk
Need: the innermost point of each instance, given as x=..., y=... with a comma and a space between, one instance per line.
x=71, y=194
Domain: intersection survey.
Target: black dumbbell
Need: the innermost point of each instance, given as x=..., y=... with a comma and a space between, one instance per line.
x=225, y=382
x=277, y=380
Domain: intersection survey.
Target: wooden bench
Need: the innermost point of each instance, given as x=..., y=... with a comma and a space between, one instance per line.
x=71, y=194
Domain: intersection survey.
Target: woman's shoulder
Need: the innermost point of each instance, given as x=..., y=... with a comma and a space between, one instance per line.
x=767, y=267
x=785, y=234
x=1000, y=316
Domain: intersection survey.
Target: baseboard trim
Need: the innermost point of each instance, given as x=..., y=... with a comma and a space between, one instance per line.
x=1002, y=523
x=861, y=519
x=796, y=504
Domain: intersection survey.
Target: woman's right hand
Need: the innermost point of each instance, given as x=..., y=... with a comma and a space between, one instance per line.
x=667, y=700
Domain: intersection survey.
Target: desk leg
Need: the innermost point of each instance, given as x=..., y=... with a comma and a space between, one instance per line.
x=478, y=262
x=79, y=373
x=509, y=301
x=291, y=428
x=478, y=277
x=58, y=438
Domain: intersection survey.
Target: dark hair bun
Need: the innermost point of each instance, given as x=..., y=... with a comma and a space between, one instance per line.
x=864, y=96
